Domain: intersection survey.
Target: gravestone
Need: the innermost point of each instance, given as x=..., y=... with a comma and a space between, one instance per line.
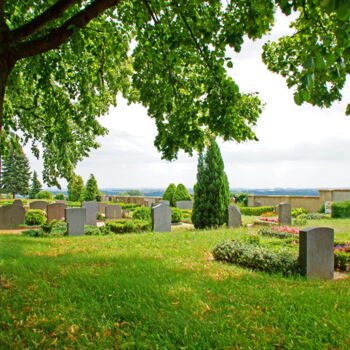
x=328, y=207
x=316, y=255
x=91, y=212
x=11, y=215
x=55, y=211
x=276, y=209
x=234, y=216
x=61, y=201
x=161, y=218
x=163, y=201
x=184, y=204
x=101, y=207
x=18, y=202
x=42, y=205
x=284, y=214
x=75, y=219
x=113, y=211
x=149, y=201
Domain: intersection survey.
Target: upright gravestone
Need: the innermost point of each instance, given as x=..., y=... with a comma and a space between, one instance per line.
x=91, y=212
x=234, y=216
x=75, y=219
x=11, y=215
x=18, y=202
x=184, y=205
x=164, y=201
x=113, y=211
x=161, y=218
x=316, y=256
x=101, y=207
x=56, y=211
x=328, y=207
x=284, y=214
x=42, y=205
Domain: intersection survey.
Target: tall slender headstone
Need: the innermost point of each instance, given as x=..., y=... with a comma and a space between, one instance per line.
x=56, y=211
x=284, y=214
x=234, y=216
x=316, y=255
x=161, y=218
x=11, y=215
x=42, y=205
x=113, y=211
x=91, y=212
x=75, y=219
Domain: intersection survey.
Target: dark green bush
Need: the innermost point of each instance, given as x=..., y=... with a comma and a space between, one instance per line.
x=35, y=233
x=128, y=226
x=44, y=195
x=265, y=231
x=322, y=209
x=176, y=215
x=341, y=260
x=255, y=211
x=55, y=228
x=142, y=213
x=341, y=209
x=257, y=258
x=91, y=230
x=35, y=217
x=60, y=196
x=169, y=194
x=181, y=194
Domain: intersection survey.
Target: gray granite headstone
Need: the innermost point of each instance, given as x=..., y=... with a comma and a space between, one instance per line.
x=55, y=211
x=316, y=255
x=75, y=219
x=234, y=216
x=11, y=215
x=42, y=205
x=101, y=207
x=17, y=202
x=161, y=218
x=184, y=204
x=284, y=214
x=113, y=211
x=91, y=212
x=164, y=201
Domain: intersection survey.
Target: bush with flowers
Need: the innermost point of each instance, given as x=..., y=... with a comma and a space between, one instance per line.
x=342, y=255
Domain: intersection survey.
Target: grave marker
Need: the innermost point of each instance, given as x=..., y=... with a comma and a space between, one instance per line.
x=18, y=202
x=234, y=216
x=75, y=219
x=284, y=214
x=42, y=205
x=113, y=211
x=91, y=212
x=11, y=215
x=161, y=218
x=56, y=211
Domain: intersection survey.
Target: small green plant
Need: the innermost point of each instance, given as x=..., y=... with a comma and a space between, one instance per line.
x=142, y=213
x=255, y=211
x=322, y=209
x=268, y=232
x=44, y=195
x=300, y=221
x=341, y=209
x=60, y=196
x=128, y=226
x=298, y=211
x=91, y=230
x=341, y=260
x=253, y=239
x=176, y=215
x=35, y=217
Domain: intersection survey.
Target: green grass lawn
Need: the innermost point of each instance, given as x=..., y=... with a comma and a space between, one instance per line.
x=161, y=291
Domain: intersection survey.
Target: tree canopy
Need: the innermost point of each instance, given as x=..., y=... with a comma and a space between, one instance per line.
x=63, y=62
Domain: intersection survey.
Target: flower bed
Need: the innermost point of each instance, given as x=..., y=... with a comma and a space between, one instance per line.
x=286, y=229
x=268, y=219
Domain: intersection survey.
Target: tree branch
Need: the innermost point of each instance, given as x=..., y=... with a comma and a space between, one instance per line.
x=3, y=26
x=36, y=24
x=60, y=35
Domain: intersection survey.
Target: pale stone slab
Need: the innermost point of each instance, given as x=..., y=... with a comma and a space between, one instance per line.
x=113, y=211
x=149, y=201
x=75, y=219
x=61, y=201
x=91, y=212
x=328, y=207
x=56, y=211
x=101, y=207
x=42, y=205
x=161, y=218
x=184, y=205
x=316, y=255
x=284, y=214
x=18, y=202
x=234, y=216
x=11, y=215
x=164, y=201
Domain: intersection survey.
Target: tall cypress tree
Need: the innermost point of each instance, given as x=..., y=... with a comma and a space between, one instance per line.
x=91, y=189
x=169, y=194
x=16, y=173
x=76, y=189
x=36, y=185
x=211, y=193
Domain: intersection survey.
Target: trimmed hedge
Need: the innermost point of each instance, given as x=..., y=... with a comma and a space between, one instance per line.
x=255, y=211
x=176, y=215
x=257, y=258
x=341, y=209
x=127, y=226
x=35, y=217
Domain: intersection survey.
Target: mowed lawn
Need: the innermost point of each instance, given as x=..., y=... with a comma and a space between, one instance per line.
x=160, y=291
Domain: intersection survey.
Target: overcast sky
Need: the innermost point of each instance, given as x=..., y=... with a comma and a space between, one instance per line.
x=298, y=147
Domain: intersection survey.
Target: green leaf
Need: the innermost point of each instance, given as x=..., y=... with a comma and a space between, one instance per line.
x=229, y=64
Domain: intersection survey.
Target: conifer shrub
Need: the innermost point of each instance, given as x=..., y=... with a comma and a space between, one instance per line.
x=181, y=194
x=60, y=196
x=169, y=193
x=176, y=215
x=142, y=213
x=44, y=195
x=35, y=217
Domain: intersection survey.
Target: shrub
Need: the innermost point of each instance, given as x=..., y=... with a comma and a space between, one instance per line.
x=181, y=194
x=341, y=260
x=240, y=198
x=265, y=231
x=142, y=213
x=129, y=206
x=256, y=211
x=35, y=233
x=60, y=196
x=35, y=217
x=127, y=226
x=55, y=228
x=169, y=193
x=176, y=215
x=341, y=209
x=100, y=216
x=313, y=216
x=253, y=240
x=91, y=230
x=44, y=195
x=257, y=258
x=322, y=209
x=300, y=221
x=298, y=211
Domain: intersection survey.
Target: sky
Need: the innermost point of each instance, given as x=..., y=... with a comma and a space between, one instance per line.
x=299, y=146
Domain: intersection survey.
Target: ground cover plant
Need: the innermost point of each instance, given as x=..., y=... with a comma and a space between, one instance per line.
x=147, y=290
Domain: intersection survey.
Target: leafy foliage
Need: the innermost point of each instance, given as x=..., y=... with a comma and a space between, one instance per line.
x=35, y=217
x=176, y=215
x=169, y=194
x=44, y=195
x=127, y=226
x=35, y=186
x=265, y=231
x=298, y=211
x=91, y=189
x=341, y=209
x=76, y=189
x=240, y=198
x=211, y=192
x=60, y=196
x=256, y=211
x=181, y=194
x=16, y=173
x=142, y=213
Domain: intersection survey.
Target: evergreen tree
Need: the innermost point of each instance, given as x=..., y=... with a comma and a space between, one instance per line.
x=76, y=189
x=211, y=193
x=169, y=193
x=181, y=194
x=91, y=189
x=16, y=173
x=36, y=186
